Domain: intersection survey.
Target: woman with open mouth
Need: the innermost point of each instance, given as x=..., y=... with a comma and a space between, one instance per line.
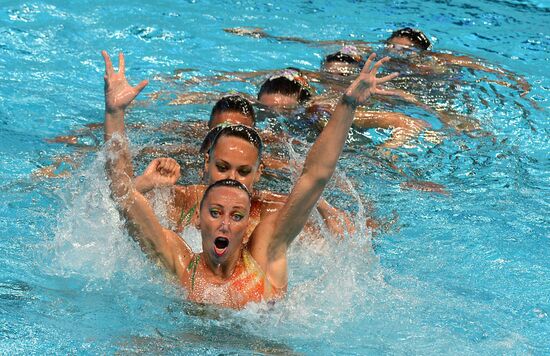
x=232, y=270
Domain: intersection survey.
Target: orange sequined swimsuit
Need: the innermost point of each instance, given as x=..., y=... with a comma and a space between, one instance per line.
x=248, y=284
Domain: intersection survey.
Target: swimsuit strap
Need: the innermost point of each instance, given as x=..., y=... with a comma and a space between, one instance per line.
x=250, y=264
x=187, y=216
x=254, y=279
x=193, y=267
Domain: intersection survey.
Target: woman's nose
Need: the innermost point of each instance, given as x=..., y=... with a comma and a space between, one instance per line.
x=224, y=227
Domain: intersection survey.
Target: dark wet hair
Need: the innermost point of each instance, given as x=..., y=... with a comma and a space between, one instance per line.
x=281, y=83
x=233, y=103
x=225, y=183
x=241, y=131
x=341, y=57
x=417, y=37
x=348, y=55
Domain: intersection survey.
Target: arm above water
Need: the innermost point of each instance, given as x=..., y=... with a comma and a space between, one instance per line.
x=141, y=220
x=274, y=235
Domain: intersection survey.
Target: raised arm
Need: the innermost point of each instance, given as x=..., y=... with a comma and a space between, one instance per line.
x=273, y=236
x=142, y=222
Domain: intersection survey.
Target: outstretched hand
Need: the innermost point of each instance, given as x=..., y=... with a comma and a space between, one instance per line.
x=118, y=92
x=367, y=84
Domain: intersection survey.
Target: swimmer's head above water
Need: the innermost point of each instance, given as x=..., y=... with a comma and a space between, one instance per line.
x=224, y=215
x=233, y=152
x=233, y=109
x=408, y=38
x=347, y=61
x=285, y=90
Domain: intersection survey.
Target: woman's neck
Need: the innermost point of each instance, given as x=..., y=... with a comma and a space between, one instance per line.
x=221, y=272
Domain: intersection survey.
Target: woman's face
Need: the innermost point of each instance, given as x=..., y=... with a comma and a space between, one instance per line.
x=340, y=68
x=280, y=103
x=233, y=158
x=401, y=46
x=223, y=221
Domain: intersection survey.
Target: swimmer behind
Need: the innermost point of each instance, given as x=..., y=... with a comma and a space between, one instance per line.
x=406, y=41
x=231, y=151
x=289, y=89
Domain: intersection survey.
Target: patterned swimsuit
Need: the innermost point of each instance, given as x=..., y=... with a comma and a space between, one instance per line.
x=248, y=284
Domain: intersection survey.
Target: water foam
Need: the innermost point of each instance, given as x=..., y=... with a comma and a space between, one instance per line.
x=90, y=239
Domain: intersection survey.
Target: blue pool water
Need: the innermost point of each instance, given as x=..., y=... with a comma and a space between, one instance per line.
x=466, y=273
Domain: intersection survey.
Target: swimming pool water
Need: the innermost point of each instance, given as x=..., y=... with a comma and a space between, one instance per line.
x=466, y=273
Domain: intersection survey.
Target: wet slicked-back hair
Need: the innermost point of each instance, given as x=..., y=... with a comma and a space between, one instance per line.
x=225, y=183
x=341, y=57
x=233, y=103
x=417, y=37
x=241, y=131
x=286, y=86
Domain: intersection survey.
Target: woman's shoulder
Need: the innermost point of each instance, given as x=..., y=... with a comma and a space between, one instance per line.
x=188, y=191
x=267, y=197
x=267, y=203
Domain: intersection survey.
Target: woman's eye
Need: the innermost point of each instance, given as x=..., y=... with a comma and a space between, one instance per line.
x=215, y=213
x=221, y=167
x=237, y=217
x=244, y=172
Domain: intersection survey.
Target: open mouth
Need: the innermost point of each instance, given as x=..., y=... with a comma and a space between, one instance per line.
x=220, y=245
